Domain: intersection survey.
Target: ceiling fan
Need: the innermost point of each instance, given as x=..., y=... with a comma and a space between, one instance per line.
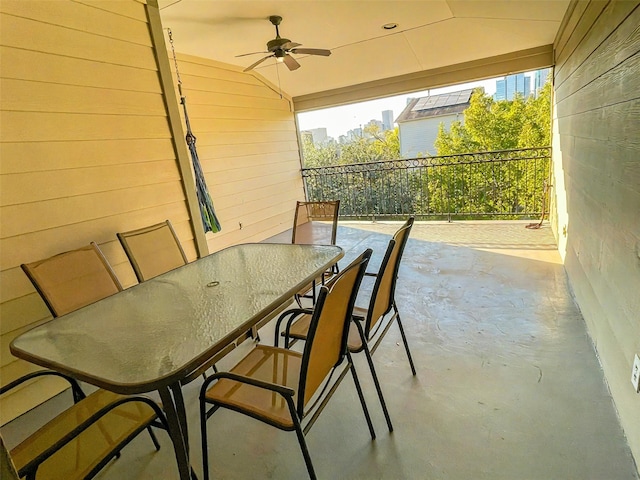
x=281, y=48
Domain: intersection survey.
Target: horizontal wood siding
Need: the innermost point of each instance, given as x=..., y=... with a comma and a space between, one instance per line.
x=597, y=158
x=248, y=148
x=86, y=151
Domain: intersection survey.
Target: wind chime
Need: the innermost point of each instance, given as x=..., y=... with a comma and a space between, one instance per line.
x=207, y=213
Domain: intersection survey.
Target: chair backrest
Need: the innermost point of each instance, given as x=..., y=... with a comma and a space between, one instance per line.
x=326, y=342
x=153, y=250
x=73, y=279
x=305, y=231
x=382, y=296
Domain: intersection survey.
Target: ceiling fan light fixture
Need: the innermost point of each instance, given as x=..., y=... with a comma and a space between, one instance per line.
x=390, y=26
x=280, y=48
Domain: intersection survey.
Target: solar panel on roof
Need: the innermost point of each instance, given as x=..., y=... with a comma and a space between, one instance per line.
x=443, y=100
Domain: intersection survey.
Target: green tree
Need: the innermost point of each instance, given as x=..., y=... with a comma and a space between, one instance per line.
x=319, y=155
x=373, y=146
x=386, y=145
x=536, y=129
x=491, y=125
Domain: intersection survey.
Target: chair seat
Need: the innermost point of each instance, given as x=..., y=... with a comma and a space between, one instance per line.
x=84, y=452
x=300, y=327
x=269, y=364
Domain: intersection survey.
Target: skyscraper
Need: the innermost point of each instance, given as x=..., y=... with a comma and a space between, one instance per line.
x=539, y=79
x=387, y=120
x=507, y=87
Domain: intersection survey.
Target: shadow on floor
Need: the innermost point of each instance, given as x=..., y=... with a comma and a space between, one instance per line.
x=508, y=385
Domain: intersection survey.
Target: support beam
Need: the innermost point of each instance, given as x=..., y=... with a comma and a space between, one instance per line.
x=521, y=61
x=175, y=125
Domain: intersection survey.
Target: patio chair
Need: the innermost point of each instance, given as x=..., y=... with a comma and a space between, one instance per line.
x=153, y=250
x=369, y=325
x=73, y=279
x=66, y=282
x=80, y=441
x=289, y=389
x=306, y=230
x=315, y=223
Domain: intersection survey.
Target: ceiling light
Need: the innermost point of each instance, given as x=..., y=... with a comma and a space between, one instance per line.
x=279, y=59
x=390, y=26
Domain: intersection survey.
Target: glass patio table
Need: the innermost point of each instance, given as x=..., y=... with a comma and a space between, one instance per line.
x=156, y=334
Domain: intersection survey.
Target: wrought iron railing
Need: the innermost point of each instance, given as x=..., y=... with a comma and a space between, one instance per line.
x=486, y=185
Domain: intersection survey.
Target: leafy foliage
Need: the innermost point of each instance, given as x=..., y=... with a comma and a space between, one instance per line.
x=373, y=146
x=491, y=125
x=467, y=184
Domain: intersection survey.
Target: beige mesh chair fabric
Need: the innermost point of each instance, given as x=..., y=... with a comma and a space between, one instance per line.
x=315, y=223
x=383, y=296
x=153, y=250
x=80, y=441
x=284, y=388
x=73, y=279
x=370, y=324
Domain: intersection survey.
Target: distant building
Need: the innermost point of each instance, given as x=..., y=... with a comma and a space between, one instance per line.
x=507, y=87
x=539, y=79
x=319, y=135
x=387, y=120
x=354, y=134
x=376, y=123
x=419, y=122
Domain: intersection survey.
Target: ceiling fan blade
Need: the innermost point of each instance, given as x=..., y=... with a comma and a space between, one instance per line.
x=289, y=45
x=312, y=51
x=252, y=53
x=291, y=62
x=254, y=65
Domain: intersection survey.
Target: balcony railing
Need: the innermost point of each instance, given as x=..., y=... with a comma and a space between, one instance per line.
x=507, y=184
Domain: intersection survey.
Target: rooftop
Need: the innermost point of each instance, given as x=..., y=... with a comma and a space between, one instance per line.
x=436, y=105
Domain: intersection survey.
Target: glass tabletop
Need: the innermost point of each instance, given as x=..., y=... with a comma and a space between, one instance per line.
x=159, y=331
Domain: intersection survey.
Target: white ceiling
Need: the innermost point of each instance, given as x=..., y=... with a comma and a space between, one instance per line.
x=430, y=34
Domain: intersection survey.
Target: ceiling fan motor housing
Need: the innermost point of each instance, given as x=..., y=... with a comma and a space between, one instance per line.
x=277, y=43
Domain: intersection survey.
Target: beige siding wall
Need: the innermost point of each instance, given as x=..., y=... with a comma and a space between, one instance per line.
x=597, y=184
x=248, y=147
x=86, y=150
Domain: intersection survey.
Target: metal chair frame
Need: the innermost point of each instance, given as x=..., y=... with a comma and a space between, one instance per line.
x=31, y=271
x=301, y=413
x=129, y=250
x=369, y=332
x=30, y=469
x=320, y=210
x=324, y=210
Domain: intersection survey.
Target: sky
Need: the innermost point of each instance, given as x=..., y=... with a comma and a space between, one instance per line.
x=339, y=120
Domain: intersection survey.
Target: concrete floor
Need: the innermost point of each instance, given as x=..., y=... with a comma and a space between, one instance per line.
x=508, y=383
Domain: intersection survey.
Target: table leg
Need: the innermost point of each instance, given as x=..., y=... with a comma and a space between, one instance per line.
x=173, y=405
